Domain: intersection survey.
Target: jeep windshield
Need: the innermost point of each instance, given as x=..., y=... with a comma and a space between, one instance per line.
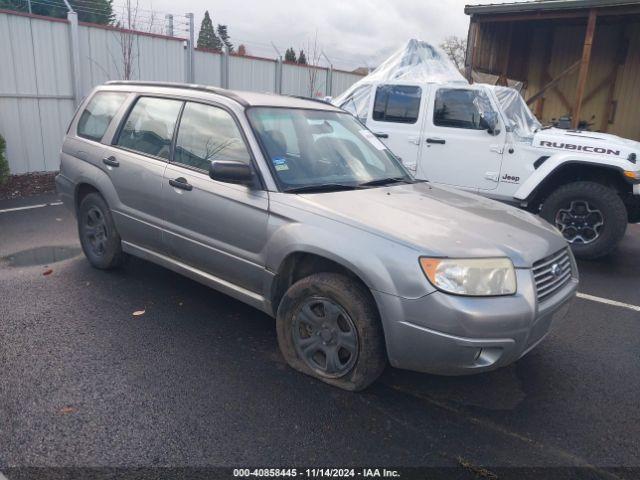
x=517, y=113
x=318, y=151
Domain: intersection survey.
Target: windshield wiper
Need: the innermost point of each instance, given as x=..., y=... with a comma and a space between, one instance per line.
x=322, y=187
x=385, y=181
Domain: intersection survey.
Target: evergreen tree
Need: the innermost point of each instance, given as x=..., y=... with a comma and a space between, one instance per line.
x=302, y=58
x=224, y=37
x=290, y=55
x=207, y=37
x=92, y=11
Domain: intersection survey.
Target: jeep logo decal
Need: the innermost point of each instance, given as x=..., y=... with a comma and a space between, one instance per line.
x=581, y=148
x=510, y=179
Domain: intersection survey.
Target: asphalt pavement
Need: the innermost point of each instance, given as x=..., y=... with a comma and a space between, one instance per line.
x=197, y=380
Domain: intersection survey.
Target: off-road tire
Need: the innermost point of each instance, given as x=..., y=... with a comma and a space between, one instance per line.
x=112, y=256
x=358, y=303
x=604, y=199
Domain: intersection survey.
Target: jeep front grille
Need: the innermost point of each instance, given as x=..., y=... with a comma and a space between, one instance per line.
x=552, y=273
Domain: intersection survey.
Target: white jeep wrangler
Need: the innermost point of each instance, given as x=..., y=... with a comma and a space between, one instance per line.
x=485, y=139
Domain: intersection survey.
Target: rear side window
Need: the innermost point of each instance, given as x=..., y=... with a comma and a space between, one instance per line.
x=95, y=119
x=149, y=126
x=208, y=133
x=397, y=103
x=458, y=108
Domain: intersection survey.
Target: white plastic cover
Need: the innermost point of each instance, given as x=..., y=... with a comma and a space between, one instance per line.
x=518, y=115
x=416, y=61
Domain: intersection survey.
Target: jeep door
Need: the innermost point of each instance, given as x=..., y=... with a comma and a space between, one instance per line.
x=458, y=148
x=135, y=162
x=396, y=119
x=218, y=228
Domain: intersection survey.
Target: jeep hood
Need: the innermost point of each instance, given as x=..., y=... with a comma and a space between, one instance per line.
x=440, y=221
x=584, y=142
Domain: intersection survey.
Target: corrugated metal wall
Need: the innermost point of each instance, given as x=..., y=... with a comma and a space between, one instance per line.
x=36, y=78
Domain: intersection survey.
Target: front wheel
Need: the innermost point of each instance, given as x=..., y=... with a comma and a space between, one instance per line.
x=329, y=328
x=590, y=216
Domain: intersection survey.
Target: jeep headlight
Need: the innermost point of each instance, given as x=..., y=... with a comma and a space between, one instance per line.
x=471, y=276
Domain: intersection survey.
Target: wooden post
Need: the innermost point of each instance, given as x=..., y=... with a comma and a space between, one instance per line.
x=471, y=50
x=584, y=66
x=502, y=78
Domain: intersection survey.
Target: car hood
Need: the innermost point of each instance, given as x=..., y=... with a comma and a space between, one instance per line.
x=593, y=143
x=440, y=221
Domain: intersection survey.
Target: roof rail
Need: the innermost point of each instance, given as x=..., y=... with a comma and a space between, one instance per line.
x=189, y=86
x=318, y=100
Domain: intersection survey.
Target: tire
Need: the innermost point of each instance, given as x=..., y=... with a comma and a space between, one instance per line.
x=323, y=296
x=559, y=206
x=98, y=235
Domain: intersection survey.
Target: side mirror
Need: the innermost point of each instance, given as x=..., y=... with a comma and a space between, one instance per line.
x=490, y=120
x=231, y=172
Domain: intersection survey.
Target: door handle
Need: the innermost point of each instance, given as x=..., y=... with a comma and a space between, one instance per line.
x=441, y=141
x=111, y=161
x=381, y=134
x=182, y=183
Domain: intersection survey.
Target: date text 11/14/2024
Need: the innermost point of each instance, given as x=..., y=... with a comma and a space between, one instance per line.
x=316, y=472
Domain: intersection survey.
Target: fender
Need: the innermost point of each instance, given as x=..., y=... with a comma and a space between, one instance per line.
x=556, y=161
x=348, y=251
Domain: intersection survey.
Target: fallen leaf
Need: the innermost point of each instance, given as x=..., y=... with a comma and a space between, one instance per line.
x=48, y=271
x=68, y=409
x=138, y=313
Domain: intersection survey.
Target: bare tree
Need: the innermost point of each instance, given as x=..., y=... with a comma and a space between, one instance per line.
x=313, y=54
x=456, y=50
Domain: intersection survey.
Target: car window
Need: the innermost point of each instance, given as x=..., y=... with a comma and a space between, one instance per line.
x=97, y=116
x=397, y=103
x=208, y=133
x=334, y=149
x=460, y=108
x=149, y=126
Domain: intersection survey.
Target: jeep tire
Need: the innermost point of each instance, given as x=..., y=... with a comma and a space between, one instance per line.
x=591, y=216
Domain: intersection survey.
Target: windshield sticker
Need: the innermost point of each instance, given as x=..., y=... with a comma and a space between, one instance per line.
x=373, y=140
x=280, y=164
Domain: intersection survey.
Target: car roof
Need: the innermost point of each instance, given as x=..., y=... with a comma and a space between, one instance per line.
x=246, y=99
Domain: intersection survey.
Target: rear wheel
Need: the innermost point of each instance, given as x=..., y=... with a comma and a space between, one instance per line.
x=590, y=216
x=98, y=235
x=328, y=327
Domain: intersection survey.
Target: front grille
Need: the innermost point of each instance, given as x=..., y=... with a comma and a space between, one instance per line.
x=552, y=273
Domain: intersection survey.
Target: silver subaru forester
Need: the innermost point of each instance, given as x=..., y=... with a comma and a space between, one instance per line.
x=295, y=208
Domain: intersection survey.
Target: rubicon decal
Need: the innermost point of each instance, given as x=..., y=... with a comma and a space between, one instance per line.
x=580, y=148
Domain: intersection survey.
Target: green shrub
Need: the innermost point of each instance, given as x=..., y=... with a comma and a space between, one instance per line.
x=4, y=164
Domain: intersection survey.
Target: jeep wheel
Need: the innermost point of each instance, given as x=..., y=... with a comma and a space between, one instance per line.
x=591, y=216
x=329, y=328
x=98, y=235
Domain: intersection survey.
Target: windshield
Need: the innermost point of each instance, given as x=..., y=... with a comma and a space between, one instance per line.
x=323, y=150
x=517, y=113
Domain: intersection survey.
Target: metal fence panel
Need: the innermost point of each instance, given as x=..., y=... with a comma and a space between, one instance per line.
x=36, y=78
x=207, y=68
x=252, y=74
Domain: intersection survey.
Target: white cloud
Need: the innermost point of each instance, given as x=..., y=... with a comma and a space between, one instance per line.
x=351, y=32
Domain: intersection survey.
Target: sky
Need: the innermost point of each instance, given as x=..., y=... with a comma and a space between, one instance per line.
x=351, y=33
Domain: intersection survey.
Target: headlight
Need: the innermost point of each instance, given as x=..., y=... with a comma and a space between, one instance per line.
x=471, y=276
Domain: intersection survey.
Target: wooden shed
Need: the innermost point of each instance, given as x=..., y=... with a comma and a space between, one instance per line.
x=578, y=58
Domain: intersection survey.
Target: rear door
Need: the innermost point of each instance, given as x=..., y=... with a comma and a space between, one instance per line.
x=135, y=162
x=219, y=228
x=396, y=118
x=458, y=149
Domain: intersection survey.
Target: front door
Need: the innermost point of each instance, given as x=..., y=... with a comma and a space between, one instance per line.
x=216, y=227
x=458, y=149
x=396, y=118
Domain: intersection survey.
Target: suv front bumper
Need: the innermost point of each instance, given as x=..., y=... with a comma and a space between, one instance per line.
x=454, y=335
